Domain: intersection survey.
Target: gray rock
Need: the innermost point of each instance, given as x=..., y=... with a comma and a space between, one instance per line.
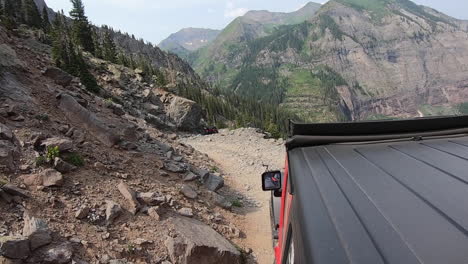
x=14, y=247
x=63, y=144
x=213, y=182
x=188, y=191
x=60, y=77
x=60, y=254
x=174, y=167
x=220, y=201
x=131, y=197
x=37, y=231
x=202, y=173
x=4, y=260
x=185, y=212
x=77, y=113
x=8, y=57
x=150, y=198
x=196, y=242
x=153, y=109
x=190, y=176
x=5, y=133
x=15, y=191
x=5, y=196
x=117, y=109
x=51, y=178
x=154, y=212
x=113, y=210
x=185, y=113
x=82, y=213
x=8, y=152
x=63, y=166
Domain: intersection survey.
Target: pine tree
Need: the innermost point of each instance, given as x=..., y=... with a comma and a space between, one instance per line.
x=9, y=13
x=45, y=20
x=109, y=49
x=32, y=16
x=98, y=53
x=82, y=32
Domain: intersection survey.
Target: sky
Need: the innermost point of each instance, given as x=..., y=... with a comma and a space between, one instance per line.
x=154, y=20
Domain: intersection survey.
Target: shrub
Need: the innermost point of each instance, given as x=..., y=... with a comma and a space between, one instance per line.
x=237, y=203
x=41, y=161
x=52, y=153
x=75, y=159
x=42, y=117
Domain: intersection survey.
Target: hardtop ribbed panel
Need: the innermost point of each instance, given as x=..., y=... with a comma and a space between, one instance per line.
x=392, y=202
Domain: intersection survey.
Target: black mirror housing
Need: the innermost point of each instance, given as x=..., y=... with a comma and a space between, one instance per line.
x=271, y=181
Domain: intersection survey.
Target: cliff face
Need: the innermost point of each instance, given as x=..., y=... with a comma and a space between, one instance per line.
x=356, y=60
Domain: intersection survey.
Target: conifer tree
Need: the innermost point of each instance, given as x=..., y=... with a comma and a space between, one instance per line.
x=98, y=53
x=9, y=12
x=32, y=16
x=109, y=49
x=45, y=20
x=82, y=32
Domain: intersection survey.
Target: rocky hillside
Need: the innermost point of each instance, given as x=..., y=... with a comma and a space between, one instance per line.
x=188, y=40
x=227, y=49
x=354, y=59
x=102, y=179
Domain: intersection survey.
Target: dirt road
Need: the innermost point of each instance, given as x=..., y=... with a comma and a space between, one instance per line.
x=241, y=155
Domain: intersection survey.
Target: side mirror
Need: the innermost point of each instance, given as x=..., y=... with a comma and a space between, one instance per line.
x=271, y=181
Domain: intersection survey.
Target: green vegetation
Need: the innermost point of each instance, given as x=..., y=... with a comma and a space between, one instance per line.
x=237, y=203
x=75, y=159
x=81, y=28
x=41, y=161
x=42, y=117
x=432, y=110
x=327, y=22
x=379, y=117
x=52, y=153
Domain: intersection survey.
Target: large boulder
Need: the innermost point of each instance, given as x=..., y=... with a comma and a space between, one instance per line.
x=6, y=133
x=131, y=197
x=185, y=113
x=14, y=247
x=60, y=254
x=63, y=144
x=8, y=57
x=196, y=242
x=8, y=152
x=37, y=231
x=213, y=182
x=77, y=113
x=60, y=77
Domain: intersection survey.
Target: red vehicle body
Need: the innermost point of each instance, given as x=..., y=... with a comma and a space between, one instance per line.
x=384, y=192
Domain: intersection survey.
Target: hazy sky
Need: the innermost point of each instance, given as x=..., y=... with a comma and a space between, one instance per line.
x=154, y=20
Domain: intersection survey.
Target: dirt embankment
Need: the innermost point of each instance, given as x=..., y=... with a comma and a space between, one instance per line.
x=241, y=155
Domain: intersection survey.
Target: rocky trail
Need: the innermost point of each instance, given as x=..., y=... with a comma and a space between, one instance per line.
x=241, y=155
x=110, y=178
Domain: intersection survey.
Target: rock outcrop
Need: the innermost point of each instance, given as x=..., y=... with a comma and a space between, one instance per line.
x=77, y=113
x=196, y=242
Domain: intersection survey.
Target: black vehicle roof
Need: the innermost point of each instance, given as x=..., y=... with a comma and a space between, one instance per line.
x=396, y=201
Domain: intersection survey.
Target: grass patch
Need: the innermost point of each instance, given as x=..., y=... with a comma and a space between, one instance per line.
x=237, y=203
x=42, y=117
x=75, y=159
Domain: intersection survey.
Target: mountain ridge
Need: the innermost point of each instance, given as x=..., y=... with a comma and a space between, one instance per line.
x=353, y=60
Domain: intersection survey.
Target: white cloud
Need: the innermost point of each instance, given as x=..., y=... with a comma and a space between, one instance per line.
x=232, y=11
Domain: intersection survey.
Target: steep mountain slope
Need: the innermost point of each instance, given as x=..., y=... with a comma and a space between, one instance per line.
x=188, y=40
x=229, y=47
x=355, y=59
